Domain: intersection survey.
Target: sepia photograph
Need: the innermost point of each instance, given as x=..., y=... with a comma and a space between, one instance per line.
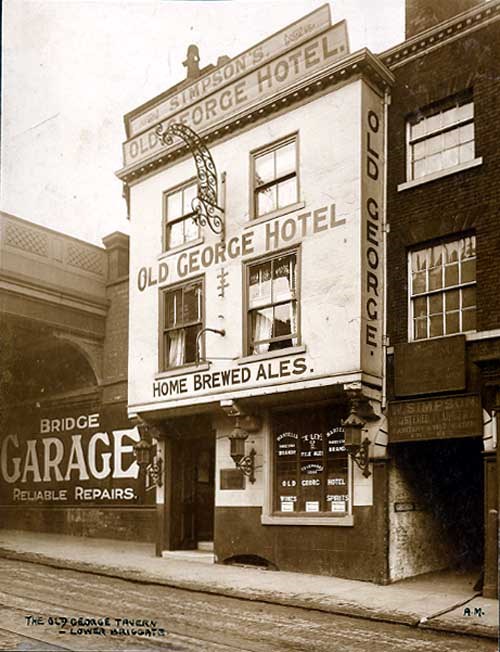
x=249, y=325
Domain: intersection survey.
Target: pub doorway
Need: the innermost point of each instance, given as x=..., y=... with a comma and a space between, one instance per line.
x=192, y=483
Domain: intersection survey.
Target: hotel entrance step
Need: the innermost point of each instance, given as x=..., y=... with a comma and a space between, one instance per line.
x=206, y=546
x=199, y=556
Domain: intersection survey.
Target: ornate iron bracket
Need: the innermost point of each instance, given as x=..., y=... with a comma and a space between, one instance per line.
x=360, y=457
x=247, y=465
x=205, y=205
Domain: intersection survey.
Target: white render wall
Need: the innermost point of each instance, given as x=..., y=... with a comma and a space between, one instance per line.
x=330, y=167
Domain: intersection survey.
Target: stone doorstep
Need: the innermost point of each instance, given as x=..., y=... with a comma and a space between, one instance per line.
x=199, y=556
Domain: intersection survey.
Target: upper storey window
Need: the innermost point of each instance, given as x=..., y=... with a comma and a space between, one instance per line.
x=275, y=177
x=441, y=137
x=443, y=289
x=180, y=227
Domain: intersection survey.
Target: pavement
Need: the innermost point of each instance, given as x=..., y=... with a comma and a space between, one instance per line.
x=439, y=601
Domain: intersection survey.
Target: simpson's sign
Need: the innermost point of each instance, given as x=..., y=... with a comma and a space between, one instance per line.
x=251, y=90
x=305, y=28
x=68, y=459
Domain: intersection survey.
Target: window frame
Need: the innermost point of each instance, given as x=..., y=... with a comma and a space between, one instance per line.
x=162, y=367
x=266, y=149
x=273, y=516
x=428, y=111
x=180, y=187
x=247, y=264
x=442, y=291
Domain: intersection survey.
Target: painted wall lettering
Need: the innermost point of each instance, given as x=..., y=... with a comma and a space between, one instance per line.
x=229, y=378
x=277, y=233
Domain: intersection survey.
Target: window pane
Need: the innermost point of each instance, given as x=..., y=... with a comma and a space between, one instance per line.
x=433, y=123
x=285, y=160
x=452, y=322
x=419, y=150
x=450, y=116
x=176, y=234
x=174, y=205
x=418, y=283
x=467, y=133
x=189, y=194
x=172, y=308
x=261, y=326
x=469, y=271
x=434, y=145
x=175, y=344
x=468, y=297
x=420, y=307
x=287, y=192
x=436, y=325
x=434, y=163
x=468, y=247
x=450, y=158
x=452, y=300
x=191, y=229
x=419, y=260
x=451, y=275
x=419, y=169
x=282, y=320
x=466, y=152
x=451, y=139
x=420, y=329
x=283, y=277
x=466, y=111
x=469, y=320
x=191, y=303
x=260, y=284
x=264, y=168
x=435, y=303
x=266, y=200
x=435, y=278
x=417, y=130
x=451, y=252
x=190, y=343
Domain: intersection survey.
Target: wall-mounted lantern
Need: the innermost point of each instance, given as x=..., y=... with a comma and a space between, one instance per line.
x=245, y=463
x=148, y=458
x=205, y=205
x=357, y=449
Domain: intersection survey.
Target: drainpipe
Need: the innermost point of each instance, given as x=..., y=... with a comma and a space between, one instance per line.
x=385, y=230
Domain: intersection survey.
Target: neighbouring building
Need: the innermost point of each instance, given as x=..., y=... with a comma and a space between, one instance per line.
x=443, y=291
x=273, y=329
x=66, y=443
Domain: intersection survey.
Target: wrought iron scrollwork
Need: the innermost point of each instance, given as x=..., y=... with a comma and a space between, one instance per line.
x=205, y=204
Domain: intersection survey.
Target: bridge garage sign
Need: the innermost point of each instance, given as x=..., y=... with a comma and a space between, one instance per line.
x=65, y=458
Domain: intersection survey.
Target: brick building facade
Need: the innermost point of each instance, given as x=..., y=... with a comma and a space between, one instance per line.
x=443, y=296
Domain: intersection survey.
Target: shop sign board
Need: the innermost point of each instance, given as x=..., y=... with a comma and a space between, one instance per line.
x=430, y=366
x=372, y=227
x=67, y=458
x=303, y=29
x=435, y=418
x=251, y=90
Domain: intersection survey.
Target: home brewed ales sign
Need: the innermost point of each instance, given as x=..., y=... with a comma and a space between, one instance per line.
x=66, y=458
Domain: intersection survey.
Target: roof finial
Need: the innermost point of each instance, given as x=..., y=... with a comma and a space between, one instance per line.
x=192, y=62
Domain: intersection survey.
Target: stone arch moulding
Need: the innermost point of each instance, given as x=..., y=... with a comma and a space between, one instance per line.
x=91, y=351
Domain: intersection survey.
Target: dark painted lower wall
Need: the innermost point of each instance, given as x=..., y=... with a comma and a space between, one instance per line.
x=113, y=523
x=349, y=552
